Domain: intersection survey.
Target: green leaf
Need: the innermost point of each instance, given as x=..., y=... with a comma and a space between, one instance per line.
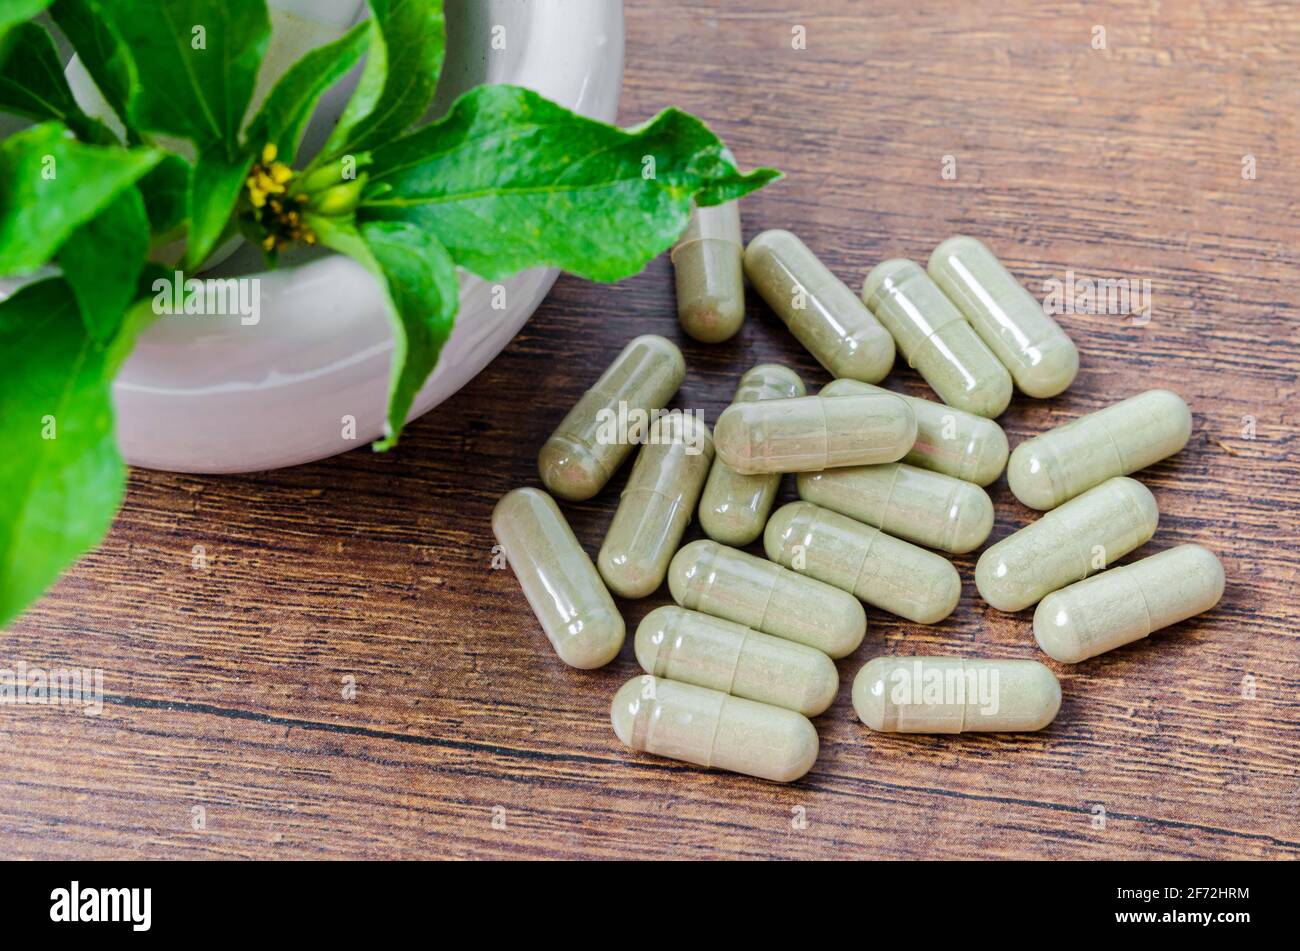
x=288, y=108
x=102, y=262
x=419, y=278
x=166, y=192
x=12, y=13
x=32, y=85
x=197, y=62
x=54, y=185
x=508, y=180
x=101, y=49
x=407, y=43
x=213, y=194
x=61, y=477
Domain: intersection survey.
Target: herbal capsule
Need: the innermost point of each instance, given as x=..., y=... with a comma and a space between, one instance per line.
x=909, y=503
x=695, y=648
x=710, y=278
x=1126, y=604
x=955, y=695
x=1041, y=358
x=936, y=339
x=656, y=505
x=892, y=575
x=757, y=593
x=1067, y=544
x=813, y=433
x=710, y=728
x=588, y=446
x=734, y=507
x=1130, y=435
x=948, y=440
x=559, y=580
x=823, y=314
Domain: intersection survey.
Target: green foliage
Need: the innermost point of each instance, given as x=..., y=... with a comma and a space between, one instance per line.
x=32, y=85
x=419, y=279
x=54, y=185
x=283, y=118
x=509, y=180
x=12, y=13
x=197, y=63
x=61, y=477
x=217, y=183
x=101, y=50
x=406, y=48
x=166, y=191
x=102, y=262
x=506, y=181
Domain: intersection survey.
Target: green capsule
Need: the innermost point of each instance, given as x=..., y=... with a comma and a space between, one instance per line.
x=913, y=504
x=713, y=729
x=823, y=314
x=656, y=505
x=955, y=695
x=598, y=433
x=936, y=339
x=892, y=575
x=1127, y=436
x=734, y=507
x=559, y=580
x=1042, y=359
x=710, y=276
x=1067, y=544
x=695, y=648
x=712, y=578
x=813, y=433
x=1124, y=605
x=948, y=440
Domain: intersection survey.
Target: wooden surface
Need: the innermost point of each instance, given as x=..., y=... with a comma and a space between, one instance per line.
x=226, y=686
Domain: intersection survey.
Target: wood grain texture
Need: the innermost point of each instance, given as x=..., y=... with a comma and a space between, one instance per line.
x=226, y=685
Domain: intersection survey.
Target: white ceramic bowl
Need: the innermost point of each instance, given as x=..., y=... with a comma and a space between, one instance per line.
x=210, y=394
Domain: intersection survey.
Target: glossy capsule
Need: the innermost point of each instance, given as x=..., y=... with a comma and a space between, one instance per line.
x=883, y=571
x=948, y=440
x=955, y=695
x=822, y=313
x=1067, y=544
x=936, y=339
x=710, y=728
x=588, y=446
x=913, y=504
x=1042, y=359
x=1125, y=437
x=656, y=505
x=814, y=432
x=734, y=507
x=1126, y=604
x=757, y=593
x=707, y=263
x=559, y=580
x=707, y=651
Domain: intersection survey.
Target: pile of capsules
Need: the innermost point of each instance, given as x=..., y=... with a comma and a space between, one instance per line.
x=745, y=657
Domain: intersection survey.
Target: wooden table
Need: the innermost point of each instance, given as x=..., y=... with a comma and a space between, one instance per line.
x=349, y=677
